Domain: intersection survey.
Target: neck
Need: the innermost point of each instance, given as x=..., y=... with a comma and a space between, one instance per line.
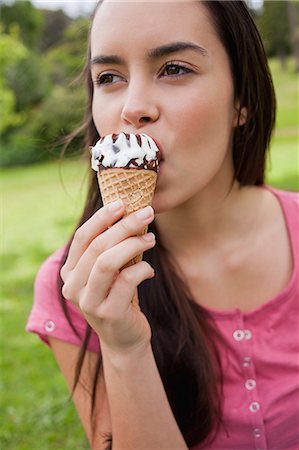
x=211, y=218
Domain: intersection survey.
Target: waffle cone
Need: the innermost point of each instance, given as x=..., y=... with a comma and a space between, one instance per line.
x=135, y=187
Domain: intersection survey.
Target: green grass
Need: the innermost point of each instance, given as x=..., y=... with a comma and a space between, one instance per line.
x=39, y=215
x=35, y=409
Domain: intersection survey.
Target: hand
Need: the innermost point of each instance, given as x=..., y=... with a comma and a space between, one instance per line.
x=95, y=280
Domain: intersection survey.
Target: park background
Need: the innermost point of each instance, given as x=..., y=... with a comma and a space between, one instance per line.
x=41, y=53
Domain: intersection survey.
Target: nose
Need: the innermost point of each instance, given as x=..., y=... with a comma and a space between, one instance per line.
x=139, y=107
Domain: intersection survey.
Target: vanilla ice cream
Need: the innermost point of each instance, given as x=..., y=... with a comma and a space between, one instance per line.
x=136, y=151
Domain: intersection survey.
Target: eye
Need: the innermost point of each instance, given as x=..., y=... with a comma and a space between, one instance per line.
x=107, y=79
x=174, y=70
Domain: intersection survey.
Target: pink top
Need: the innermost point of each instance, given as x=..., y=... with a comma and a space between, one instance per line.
x=260, y=354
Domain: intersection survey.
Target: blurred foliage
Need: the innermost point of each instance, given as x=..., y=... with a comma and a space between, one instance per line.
x=55, y=22
x=41, y=53
x=274, y=27
x=29, y=81
x=27, y=17
x=278, y=24
x=41, y=138
x=66, y=59
x=12, y=51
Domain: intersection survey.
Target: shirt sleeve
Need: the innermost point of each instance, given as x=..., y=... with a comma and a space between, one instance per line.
x=47, y=317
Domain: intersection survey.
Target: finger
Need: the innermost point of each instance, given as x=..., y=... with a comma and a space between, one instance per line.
x=131, y=225
x=122, y=292
x=111, y=262
x=98, y=223
x=124, y=288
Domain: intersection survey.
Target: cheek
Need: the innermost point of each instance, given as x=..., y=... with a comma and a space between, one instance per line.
x=195, y=123
x=204, y=135
x=103, y=114
x=209, y=118
x=191, y=110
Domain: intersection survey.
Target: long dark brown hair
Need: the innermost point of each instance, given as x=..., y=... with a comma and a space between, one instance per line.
x=184, y=336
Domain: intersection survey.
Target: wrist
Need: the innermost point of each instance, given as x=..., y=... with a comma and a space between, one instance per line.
x=126, y=359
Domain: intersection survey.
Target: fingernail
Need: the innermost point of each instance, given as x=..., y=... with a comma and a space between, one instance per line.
x=149, y=237
x=115, y=206
x=145, y=213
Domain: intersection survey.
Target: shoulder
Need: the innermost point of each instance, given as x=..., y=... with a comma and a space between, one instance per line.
x=286, y=197
x=289, y=203
x=47, y=275
x=51, y=315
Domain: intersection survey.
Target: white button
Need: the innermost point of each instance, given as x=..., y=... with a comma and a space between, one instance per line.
x=257, y=432
x=247, y=334
x=250, y=384
x=254, y=407
x=50, y=326
x=238, y=335
x=246, y=361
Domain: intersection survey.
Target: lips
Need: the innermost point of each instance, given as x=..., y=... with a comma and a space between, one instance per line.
x=160, y=154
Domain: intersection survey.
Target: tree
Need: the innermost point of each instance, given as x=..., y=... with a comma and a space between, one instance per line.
x=28, y=19
x=28, y=79
x=11, y=51
x=39, y=138
x=273, y=24
x=55, y=23
x=293, y=13
x=66, y=59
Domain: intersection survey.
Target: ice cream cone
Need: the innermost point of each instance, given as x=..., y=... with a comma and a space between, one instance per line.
x=127, y=166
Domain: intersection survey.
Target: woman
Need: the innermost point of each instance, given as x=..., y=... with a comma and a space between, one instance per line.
x=209, y=359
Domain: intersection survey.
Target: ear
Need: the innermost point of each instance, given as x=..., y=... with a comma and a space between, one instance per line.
x=240, y=116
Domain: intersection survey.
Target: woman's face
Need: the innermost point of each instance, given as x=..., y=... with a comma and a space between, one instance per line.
x=159, y=68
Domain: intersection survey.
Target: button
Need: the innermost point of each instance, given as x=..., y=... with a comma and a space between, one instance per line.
x=254, y=407
x=50, y=326
x=238, y=335
x=246, y=361
x=247, y=334
x=257, y=433
x=250, y=384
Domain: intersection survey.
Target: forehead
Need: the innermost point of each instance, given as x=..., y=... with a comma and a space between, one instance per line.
x=149, y=23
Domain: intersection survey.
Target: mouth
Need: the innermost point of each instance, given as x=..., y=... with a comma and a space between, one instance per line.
x=160, y=155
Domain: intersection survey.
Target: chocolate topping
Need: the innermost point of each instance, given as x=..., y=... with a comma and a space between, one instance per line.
x=142, y=147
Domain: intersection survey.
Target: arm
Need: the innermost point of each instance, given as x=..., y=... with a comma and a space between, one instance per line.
x=66, y=356
x=141, y=415
x=97, y=282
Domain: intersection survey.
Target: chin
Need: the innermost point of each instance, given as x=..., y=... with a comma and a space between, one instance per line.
x=159, y=204
x=158, y=208
x=163, y=202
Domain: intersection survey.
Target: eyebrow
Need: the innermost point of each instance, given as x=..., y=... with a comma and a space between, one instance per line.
x=174, y=47
x=107, y=59
x=155, y=53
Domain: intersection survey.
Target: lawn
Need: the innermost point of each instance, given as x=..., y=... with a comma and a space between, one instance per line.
x=41, y=204
x=39, y=214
